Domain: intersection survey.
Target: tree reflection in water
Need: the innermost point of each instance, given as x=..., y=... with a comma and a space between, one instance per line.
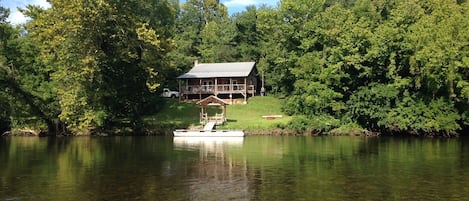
x=251, y=168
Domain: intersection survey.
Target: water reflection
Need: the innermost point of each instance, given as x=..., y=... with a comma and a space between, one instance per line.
x=215, y=175
x=207, y=143
x=251, y=168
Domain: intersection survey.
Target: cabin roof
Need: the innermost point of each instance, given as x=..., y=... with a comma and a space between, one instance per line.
x=212, y=100
x=209, y=70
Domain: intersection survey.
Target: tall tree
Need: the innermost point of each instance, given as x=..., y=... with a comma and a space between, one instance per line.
x=247, y=37
x=99, y=52
x=203, y=32
x=29, y=95
x=4, y=105
x=189, y=25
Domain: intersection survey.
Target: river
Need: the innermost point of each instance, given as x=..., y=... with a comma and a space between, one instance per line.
x=253, y=168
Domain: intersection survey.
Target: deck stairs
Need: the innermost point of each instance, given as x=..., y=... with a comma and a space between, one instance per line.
x=209, y=126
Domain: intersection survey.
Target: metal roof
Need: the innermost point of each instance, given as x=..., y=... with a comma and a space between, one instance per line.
x=209, y=70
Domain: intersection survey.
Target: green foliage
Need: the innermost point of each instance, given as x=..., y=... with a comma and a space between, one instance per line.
x=315, y=124
x=414, y=115
x=312, y=98
x=27, y=96
x=5, y=111
x=370, y=104
x=349, y=129
x=99, y=52
x=247, y=35
x=275, y=59
x=387, y=66
x=394, y=66
x=217, y=42
x=299, y=123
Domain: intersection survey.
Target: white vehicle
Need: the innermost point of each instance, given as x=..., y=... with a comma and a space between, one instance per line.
x=169, y=94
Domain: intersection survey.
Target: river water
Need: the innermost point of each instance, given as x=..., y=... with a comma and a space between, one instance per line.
x=253, y=168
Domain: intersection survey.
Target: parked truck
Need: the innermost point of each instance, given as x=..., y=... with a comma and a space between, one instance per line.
x=167, y=93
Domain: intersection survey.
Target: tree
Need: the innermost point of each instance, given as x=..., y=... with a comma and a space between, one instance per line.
x=275, y=59
x=99, y=52
x=4, y=104
x=28, y=98
x=390, y=66
x=247, y=35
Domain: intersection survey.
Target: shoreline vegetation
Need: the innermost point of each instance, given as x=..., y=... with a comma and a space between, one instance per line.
x=248, y=117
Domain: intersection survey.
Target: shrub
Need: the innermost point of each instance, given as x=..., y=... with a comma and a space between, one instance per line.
x=414, y=115
x=349, y=129
x=319, y=124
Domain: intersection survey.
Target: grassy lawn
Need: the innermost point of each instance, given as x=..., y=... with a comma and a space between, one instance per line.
x=249, y=117
x=175, y=115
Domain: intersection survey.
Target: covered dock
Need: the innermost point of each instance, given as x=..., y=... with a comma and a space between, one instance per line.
x=216, y=119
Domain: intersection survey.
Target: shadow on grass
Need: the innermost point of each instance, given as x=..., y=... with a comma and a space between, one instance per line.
x=174, y=115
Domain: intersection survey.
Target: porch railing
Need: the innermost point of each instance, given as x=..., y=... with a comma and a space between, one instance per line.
x=218, y=89
x=218, y=119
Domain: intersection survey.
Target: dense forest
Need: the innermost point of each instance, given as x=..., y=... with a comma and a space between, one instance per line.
x=388, y=66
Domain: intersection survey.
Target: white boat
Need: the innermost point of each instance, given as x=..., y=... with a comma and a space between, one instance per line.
x=208, y=133
x=211, y=143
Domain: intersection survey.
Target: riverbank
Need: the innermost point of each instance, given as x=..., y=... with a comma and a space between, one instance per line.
x=260, y=114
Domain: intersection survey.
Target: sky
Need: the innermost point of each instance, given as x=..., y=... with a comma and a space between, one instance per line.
x=17, y=17
x=235, y=6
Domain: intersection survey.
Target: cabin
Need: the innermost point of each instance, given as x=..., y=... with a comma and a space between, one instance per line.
x=223, y=80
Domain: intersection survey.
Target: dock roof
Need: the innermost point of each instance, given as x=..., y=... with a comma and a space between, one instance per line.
x=209, y=70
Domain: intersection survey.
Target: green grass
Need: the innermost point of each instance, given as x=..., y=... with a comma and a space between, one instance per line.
x=249, y=117
x=175, y=115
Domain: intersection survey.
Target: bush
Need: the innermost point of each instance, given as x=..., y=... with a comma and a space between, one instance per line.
x=318, y=124
x=349, y=129
x=414, y=115
x=370, y=104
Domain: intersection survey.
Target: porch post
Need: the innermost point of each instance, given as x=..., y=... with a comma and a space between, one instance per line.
x=199, y=88
x=245, y=90
x=231, y=90
x=216, y=86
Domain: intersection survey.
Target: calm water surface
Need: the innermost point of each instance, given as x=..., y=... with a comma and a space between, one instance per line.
x=253, y=168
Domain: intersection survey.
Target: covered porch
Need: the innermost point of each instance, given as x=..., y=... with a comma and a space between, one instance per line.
x=244, y=86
